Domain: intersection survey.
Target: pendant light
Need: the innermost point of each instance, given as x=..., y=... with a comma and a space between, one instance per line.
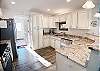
x=88, y=5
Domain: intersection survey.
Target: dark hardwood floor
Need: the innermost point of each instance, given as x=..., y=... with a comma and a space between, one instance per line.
x=27, y=62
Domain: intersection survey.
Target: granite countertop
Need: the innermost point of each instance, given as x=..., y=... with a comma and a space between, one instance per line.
x=89, y=40
x=80, y=49
x=77, y=53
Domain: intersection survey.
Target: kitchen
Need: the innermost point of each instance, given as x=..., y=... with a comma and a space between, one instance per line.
x=62, y=35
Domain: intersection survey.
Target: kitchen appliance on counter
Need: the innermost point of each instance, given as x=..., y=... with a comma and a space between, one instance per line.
x=49, y=31
x=5, y=57
x=46, y=31
x=53, y=30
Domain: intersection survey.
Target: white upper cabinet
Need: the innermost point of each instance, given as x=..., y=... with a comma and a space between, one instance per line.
x=56, y=18
x=51, y=22
x=74, y=20
x=69, y=20
x=83, y=19
x=37, y=20
x=45, y=22
x=79, y=19
x=62, y=18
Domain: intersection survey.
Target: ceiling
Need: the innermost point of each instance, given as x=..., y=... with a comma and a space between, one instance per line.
x=25, y=6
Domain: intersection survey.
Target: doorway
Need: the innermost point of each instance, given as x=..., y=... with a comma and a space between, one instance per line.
x=21, y=31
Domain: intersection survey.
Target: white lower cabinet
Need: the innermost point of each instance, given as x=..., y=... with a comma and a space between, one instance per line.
x=57, y=43
x=46, y=41
x=65, y=64
x=52, y=41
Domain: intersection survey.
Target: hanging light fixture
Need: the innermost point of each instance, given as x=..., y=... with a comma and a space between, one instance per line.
x=88, y=5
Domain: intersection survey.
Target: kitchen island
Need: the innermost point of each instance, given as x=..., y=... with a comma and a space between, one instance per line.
x=78, y=53
x=81, y=55
x=64, y=63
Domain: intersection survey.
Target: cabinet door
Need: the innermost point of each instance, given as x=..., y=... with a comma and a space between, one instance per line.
x=51, y=22
x=40, y=21
x=57, y=43
x=68, y=20
x=74, y=20
x=37, y=31
x=56, y=19
x=40, y=38
x=52, y=42
x=35, y=39
x=34, y=24
x=45, y=22
x=62, y=18
x=83, y=19
x=46, y=41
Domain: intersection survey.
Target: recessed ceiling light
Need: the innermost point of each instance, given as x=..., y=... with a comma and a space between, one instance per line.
x=48, y=9
x=12, y=2
x=68, y=0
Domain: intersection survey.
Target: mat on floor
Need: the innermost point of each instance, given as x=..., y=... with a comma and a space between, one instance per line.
x=48, y=53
